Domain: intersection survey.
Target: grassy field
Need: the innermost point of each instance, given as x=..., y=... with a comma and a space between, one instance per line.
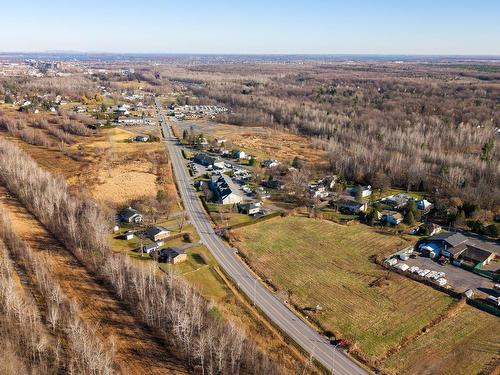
x=320, y=263
x=462, y=344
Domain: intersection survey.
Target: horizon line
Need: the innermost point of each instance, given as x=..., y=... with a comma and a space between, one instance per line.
x=52, y=52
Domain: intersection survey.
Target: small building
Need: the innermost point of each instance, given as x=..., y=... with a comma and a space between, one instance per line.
x=142, y=138
x=130, y=215
x=150, y=248
x=238, y=154
x=250, y=208
x=204, y=159
x=173, y=256
x=128, y=235
x=157, y=233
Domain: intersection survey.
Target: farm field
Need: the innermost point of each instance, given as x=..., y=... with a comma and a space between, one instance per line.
x=466, y=343
x=321, y=264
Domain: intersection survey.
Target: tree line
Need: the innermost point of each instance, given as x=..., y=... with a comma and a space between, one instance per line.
x=167, y=304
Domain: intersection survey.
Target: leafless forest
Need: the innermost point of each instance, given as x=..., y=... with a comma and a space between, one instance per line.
x=204, y=342
x=419, y=126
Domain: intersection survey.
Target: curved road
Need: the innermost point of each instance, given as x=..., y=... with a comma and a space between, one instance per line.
x=311, y=341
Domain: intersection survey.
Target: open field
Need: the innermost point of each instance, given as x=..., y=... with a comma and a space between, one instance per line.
x=261, y=142
x=465, y=343
x=143, y=354
x=328, y=265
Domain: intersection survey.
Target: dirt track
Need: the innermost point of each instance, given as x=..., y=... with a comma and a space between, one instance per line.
x=137, y=350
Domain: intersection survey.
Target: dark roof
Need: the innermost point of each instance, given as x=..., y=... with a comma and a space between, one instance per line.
x=476, y=254
x=452, y=239
x=350, y=203
x=222, y=186
x=204, y=159
x=153, y=231
x=457, y=250
x=170, y=252
x=128, y=212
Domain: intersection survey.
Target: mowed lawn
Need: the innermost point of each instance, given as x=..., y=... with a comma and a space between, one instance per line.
x=465, y=343
x=327, y=264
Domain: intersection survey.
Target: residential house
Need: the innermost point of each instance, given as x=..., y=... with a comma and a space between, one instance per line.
x=350, y=206
x=250, y=208
x=157, y=233
x=391, y=217
x=173, y=256
x=423, y=205
x=269, y=163
x=130, y=215
x=364, y=191
x=224, y=190
x=274, y=183
x=204, y=159
x=397, y=201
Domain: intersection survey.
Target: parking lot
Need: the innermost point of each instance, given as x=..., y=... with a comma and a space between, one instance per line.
x=458, y=278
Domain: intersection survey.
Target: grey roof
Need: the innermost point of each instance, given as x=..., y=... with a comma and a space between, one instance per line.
x=452, y=239
x=151, y=246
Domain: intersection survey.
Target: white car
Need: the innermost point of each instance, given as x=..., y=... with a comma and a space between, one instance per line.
x=424, y=272
x=442, y=281
x=431, y=274
x=413, y=269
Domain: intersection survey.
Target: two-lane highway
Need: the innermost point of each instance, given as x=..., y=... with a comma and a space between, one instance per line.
x=277, y=311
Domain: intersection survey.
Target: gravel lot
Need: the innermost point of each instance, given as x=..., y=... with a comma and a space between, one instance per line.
x=458, y=278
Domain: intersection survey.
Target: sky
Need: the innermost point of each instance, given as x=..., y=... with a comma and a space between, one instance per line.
x=422, y=27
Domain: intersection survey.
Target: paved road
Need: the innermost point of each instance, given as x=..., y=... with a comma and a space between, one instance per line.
x=311, y=341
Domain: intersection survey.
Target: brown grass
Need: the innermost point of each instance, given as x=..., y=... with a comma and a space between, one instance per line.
x=137, y=350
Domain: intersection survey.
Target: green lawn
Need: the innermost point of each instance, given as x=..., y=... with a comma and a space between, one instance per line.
x=226, y=215
x=328, y=265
